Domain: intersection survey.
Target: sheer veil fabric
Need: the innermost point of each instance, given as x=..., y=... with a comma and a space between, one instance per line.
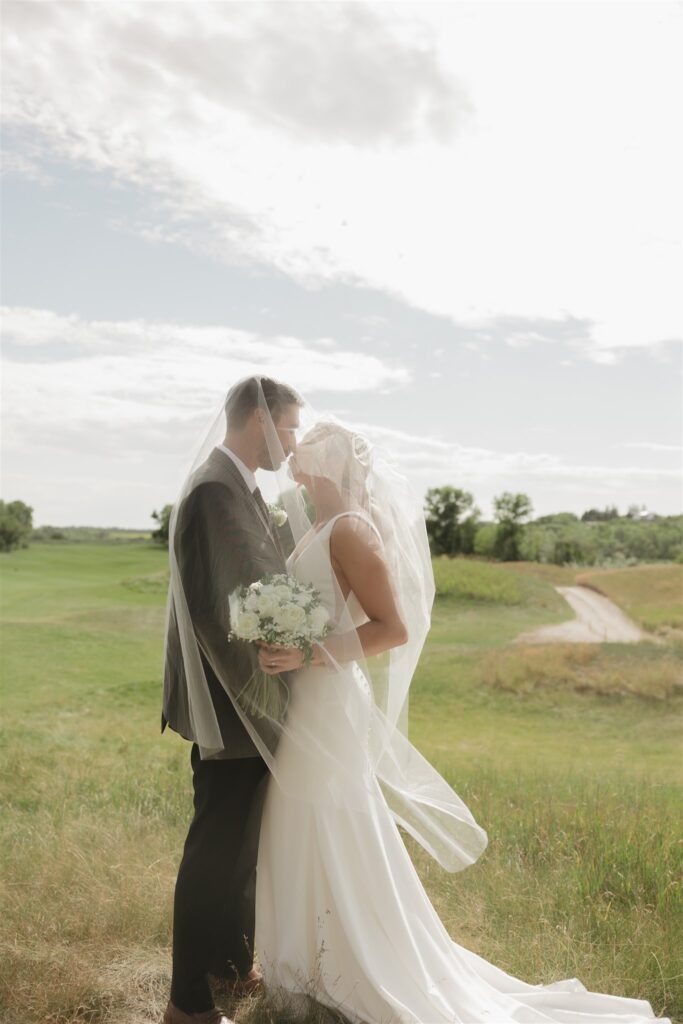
x=383, y=506
x=334, y=876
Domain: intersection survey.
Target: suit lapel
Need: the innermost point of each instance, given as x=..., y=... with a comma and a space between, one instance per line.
x=227, y=469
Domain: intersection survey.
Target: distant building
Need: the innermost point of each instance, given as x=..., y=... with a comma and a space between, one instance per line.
x=641, y=513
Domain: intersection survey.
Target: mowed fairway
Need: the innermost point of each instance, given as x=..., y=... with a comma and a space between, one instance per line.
x=568, y=755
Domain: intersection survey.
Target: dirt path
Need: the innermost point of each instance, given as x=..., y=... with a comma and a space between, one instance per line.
x=598, y=620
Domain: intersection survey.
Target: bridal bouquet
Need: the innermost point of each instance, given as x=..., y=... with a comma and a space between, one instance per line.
x=277, y=609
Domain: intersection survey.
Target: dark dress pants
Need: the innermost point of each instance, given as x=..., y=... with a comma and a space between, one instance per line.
x=213, y=910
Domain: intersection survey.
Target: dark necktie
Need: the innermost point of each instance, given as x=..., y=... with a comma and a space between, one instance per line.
x=271, y=526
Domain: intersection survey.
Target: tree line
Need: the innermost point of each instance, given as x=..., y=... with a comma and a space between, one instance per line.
x=455, y=527
x=598, y=537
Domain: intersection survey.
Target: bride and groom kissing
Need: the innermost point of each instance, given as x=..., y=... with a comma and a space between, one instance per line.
x=294, y=856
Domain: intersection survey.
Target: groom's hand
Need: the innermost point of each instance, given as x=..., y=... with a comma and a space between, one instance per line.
x=274, y=658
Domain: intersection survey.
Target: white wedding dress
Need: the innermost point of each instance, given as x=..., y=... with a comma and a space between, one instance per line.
x=341, y=913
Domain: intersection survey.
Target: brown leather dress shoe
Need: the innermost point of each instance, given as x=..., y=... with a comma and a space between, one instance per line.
x=174, y=1015
x=249, y=985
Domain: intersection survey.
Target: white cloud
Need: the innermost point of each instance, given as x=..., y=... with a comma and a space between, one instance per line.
x=23, y=166
x=66, y=378
x=448, y=154
x=652, y=446
x=433, y=461
x=100, y=418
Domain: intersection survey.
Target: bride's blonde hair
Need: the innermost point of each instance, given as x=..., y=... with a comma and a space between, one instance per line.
x=343, y=457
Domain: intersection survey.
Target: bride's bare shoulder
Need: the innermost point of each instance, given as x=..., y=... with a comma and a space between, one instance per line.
x=353, y=536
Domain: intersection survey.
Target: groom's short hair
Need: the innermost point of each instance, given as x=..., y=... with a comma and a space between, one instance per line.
x=244, y=398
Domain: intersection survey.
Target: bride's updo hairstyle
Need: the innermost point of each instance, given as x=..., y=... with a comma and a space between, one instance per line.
x=341, y=456
x=346, y=458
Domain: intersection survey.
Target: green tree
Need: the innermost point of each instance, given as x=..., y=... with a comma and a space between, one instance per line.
x=594, y=515
x=449, y=533
x=16, y=523
x=163, y=518
x=510, y=512
x=485, y=540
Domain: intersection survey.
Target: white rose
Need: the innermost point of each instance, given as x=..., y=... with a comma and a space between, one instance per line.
x=282, y=590
x=267, y=603
x=292, y=617
x=278, y=623
x=252, y=601
x=247, y=625
x=302, y=599
x=319, y=618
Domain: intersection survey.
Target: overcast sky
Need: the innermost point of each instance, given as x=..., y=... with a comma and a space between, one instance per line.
x=454, y=225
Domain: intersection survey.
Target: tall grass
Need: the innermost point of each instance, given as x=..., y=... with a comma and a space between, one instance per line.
x=578, y=789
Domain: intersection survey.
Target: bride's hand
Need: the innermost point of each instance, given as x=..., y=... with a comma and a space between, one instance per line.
x=274, y=658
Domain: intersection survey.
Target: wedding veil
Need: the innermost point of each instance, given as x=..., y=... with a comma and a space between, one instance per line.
x=376, y=765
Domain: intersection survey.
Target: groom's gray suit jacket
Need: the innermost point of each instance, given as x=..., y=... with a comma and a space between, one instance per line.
x=222, y=540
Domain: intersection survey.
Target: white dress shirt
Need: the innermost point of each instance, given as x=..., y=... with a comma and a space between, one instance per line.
x=249, y=478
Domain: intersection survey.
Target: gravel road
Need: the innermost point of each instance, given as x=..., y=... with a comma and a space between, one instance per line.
x=598, y=620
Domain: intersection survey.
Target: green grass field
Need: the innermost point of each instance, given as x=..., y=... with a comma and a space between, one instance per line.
x=568, y=755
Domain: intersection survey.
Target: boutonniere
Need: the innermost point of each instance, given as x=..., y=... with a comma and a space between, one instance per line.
x=277, y=514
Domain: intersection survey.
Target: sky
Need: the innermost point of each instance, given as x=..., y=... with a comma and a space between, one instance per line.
x=455, y=226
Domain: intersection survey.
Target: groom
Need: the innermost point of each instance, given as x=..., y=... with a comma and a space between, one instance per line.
x=213, y=913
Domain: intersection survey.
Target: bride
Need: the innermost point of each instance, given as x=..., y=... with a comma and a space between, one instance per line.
x=341, y=913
